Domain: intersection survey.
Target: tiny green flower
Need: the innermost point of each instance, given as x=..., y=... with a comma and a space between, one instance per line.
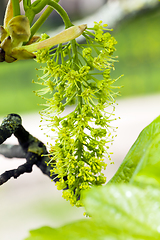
x=80, y=76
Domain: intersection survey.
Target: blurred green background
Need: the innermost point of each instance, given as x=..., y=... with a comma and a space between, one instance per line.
x=138, y=49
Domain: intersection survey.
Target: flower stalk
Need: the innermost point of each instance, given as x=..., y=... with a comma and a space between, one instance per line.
x=16, y=7
x=41, y=20
x=61, y=12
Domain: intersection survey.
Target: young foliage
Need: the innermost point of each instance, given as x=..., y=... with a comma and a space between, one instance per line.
x=141, y=153
x=119, y=211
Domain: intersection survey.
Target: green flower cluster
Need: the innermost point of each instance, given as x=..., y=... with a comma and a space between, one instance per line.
x=79, y=75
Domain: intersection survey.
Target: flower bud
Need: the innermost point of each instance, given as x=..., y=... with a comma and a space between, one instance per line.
x=19, y=29
x=65, y=36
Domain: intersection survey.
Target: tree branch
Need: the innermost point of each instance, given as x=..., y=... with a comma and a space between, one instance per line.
x=34, y=150
x=24, y=168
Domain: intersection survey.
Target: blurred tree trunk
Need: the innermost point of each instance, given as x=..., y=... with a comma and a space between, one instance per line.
x=2, y=10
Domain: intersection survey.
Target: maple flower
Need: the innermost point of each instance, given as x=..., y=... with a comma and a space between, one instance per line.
x=78, y=75
x=15, y=42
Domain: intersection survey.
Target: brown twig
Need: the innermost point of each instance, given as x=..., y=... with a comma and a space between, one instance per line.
x=32, y=149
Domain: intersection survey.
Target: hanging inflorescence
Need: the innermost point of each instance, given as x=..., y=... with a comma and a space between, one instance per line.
x=79, y=75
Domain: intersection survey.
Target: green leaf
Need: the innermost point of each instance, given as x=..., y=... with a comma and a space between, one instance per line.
x=149, y=175
x=118, y=212
x=80, y=230
x=138, y=151
x=44, y=233
x=148, y=169
x=132, y=212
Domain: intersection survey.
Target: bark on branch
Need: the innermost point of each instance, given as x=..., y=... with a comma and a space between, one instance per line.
x=29, y=147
